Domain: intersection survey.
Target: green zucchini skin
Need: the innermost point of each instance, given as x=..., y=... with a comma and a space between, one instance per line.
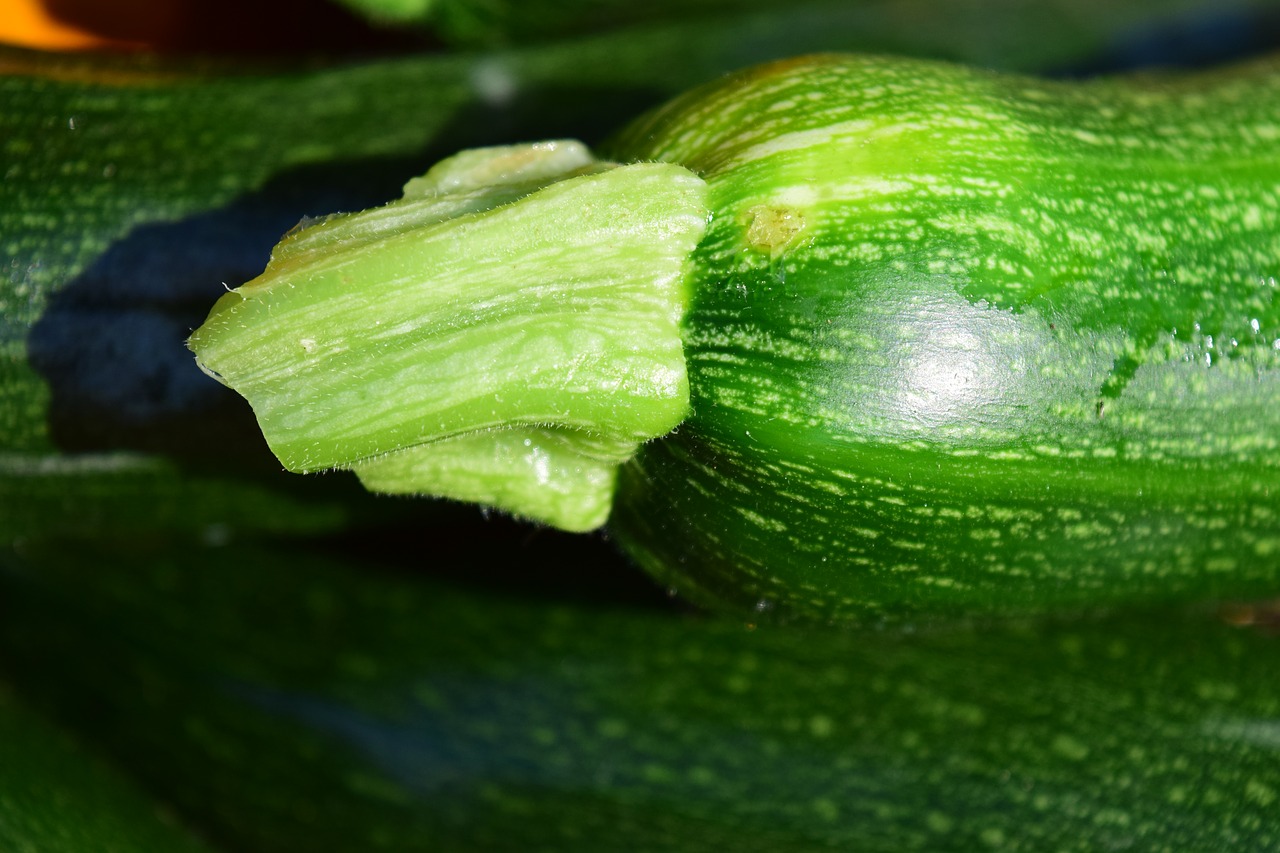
x=280, y=701
x=1051, y=34
x=55, y=797
x=969, y=343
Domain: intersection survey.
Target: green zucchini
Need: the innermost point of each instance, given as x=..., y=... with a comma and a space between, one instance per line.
x=1051, y=34
x=1025, y=352
x=57, y=798
x=278, y=700
x=133, y=188
x=953, y=342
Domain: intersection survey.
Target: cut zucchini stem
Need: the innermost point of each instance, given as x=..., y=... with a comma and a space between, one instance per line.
x=507, y=333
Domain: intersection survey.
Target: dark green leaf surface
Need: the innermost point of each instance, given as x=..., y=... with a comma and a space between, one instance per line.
x=307, y=705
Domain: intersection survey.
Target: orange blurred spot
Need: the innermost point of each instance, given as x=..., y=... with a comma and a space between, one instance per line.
x=177, y=27
x=86, y=25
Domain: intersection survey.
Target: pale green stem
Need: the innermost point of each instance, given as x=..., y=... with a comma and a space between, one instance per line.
x=507, y=333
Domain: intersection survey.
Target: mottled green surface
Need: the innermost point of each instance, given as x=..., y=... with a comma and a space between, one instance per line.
x=1007, y=33
x=133, y=190
x=290, y=707
x=124, y=494
x=57, y=798
x=965, y=342
x=115, y=239
x=304, y=705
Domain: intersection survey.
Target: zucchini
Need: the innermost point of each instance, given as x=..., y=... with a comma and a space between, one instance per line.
x=950, y=342
x=279, y=700
x=133, y=188
x=56, y=798
x=1052, y=34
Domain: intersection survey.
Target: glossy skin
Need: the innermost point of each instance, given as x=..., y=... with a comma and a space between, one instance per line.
x=963, y=343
